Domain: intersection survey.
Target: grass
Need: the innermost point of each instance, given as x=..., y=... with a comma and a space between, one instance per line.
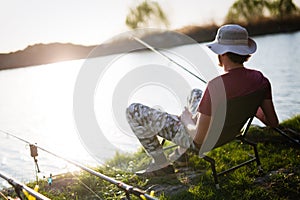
x=280, y=178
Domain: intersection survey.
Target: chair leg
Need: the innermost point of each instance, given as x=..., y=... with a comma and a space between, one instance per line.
x=213, y=162
x=254, y=145
x=260, y=169
x=213, y=168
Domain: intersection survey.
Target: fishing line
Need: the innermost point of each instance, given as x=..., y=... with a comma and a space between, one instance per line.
x=127, y=188
x=86, y=186
x=166, y=57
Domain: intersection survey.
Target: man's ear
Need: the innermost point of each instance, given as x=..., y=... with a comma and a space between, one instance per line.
x=220, y=61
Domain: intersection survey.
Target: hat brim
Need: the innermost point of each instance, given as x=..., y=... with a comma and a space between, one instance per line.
x=238, y=49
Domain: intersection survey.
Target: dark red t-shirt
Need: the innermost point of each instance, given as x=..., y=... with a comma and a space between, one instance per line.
x=235, y=83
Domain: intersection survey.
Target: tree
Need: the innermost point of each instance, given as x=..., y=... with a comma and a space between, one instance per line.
x=281, y=8
x=146, y=13
x=246, y=10
x=253, y=10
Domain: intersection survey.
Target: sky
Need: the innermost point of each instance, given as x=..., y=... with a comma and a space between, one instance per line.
x=90, y=22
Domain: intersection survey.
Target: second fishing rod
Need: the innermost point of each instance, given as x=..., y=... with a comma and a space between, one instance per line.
x=127, y=188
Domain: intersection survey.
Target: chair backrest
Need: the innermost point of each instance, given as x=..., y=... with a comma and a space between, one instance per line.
x=230, y=117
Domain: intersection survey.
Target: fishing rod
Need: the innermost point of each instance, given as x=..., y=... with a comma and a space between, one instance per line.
x=171, y=60
x=3, y=196
x=20, y=187
x=166, y=57
x=281, y=132
x=127, y=188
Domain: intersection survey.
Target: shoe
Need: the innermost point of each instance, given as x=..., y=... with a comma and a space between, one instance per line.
x=154, y=170
x=180, y=160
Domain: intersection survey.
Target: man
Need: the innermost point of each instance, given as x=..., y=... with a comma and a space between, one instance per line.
x=233, y=47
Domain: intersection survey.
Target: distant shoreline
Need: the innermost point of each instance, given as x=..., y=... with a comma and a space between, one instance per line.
x=40, y=54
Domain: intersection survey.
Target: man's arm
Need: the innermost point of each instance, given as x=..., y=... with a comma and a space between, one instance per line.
x=196, y=126
x=202, y=127
x=196, y=129
x=266, y=113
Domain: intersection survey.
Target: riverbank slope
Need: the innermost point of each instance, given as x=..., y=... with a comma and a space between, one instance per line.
x=280, y=179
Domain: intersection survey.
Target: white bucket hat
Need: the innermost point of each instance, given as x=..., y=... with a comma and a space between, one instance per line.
x=232, y=38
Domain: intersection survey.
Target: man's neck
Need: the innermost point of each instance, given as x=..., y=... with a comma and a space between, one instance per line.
x=232, y=66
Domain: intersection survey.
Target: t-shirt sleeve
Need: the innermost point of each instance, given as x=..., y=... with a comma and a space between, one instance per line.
x=213, y=95
x=268, y=90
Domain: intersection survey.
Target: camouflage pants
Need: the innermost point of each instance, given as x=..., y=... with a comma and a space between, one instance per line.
x=148, y=123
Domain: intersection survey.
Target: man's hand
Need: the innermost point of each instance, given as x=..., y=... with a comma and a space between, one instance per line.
x=187, y=117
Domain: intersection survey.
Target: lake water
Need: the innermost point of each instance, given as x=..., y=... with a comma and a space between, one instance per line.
x=37, y=105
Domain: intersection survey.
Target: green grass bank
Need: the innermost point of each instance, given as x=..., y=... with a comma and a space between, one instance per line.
x=280, y=178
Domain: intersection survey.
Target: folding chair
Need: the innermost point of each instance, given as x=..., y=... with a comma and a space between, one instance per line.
x=238, y=117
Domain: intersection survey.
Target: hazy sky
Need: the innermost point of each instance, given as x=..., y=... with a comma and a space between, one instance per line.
x=90, y=22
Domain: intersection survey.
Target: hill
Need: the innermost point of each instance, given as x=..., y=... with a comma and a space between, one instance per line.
x=39, y=54
x=43, y=54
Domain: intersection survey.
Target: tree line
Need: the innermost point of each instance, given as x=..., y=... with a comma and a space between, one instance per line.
x=149, y=12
